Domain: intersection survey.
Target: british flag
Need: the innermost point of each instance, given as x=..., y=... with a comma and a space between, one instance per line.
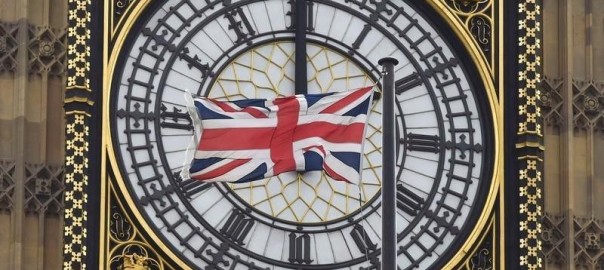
x=253, y=139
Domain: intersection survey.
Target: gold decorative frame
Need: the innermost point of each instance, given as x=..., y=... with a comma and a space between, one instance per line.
x=530, y=134
x=490, y=64
x=78, y=104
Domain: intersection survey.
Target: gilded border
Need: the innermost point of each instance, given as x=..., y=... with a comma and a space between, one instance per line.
x=530, y=134
x=77, y=109
x=461, y=32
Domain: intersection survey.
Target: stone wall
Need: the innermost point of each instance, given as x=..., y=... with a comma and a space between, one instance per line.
x=573, y=107
x=32, y=69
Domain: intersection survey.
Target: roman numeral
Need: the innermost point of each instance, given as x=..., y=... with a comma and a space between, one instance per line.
x=407, y=200
x=195, y=62
x=191, y=187
x=299, y=248
x=357, y=43
x=407, y=82
x=240, y=27
x=361, y=239
x=422, y=143
x=175, y=118
x=237, y=227
x=293, y=13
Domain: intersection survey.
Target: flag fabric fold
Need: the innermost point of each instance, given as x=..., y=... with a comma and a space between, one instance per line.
x=246, y=140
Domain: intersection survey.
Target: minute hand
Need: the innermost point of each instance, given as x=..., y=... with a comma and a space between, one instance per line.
x=300, y=39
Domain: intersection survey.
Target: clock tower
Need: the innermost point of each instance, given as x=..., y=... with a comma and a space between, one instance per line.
x=451, y=155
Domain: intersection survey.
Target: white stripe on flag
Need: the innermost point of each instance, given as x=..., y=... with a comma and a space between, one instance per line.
x=328, y=146
x=264, y=154
x=239, y=123
x=342, y=169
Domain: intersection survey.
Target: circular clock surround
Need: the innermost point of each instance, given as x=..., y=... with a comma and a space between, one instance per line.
x=148, y=197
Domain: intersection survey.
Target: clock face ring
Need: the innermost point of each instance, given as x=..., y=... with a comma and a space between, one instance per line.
x=443, y=152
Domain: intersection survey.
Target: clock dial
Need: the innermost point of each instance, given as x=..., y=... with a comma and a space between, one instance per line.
x=245, y=49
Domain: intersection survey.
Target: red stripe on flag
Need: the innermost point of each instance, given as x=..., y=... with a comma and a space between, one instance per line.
x=333, y=174
x=282, y=152
x=250, y=110
x=347, y=100
x=235, y=139
x=222, y=169
x=352, y=133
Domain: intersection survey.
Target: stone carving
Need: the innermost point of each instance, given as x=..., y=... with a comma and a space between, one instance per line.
x=8, y=46
x=44, y=189
x=588, y=112
x=588, y=241
x=553, y=238
x=589, y=234
x=47, y=50
x=7, y=185
x=551, y=101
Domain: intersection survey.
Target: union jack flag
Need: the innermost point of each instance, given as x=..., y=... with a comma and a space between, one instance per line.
x=253, y=139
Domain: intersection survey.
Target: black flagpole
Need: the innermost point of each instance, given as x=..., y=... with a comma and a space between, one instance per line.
x=300, y=40
x=388, y=167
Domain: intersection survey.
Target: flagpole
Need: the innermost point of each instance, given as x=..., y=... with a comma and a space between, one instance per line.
x=388, y=166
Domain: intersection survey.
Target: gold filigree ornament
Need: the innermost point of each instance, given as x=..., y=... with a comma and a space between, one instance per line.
x=134, y=256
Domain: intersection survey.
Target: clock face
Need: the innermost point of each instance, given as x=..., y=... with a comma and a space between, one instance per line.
x=232, y=50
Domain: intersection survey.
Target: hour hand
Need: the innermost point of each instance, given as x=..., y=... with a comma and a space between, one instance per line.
x=300, y=16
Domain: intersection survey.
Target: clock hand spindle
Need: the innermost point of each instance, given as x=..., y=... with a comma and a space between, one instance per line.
x=300, y=40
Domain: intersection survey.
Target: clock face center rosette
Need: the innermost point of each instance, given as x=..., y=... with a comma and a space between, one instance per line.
x=267, y=71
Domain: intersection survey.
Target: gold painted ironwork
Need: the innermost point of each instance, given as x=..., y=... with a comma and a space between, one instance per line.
x=478, y=17
x=128, y=248
x=483, y=255
x=76, y=199
x=477, y=57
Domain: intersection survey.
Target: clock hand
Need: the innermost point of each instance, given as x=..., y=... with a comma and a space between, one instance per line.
x=300, y=40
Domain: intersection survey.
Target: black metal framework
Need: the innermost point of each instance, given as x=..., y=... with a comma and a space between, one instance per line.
x=146, y=116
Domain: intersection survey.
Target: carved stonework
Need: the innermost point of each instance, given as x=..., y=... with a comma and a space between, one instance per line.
x=44, y=189
x=8, y=46
x=551, y=101
x=47, y=50
x=589, y=234
x=588, y=111
x=553, y=239
x=7, y=185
